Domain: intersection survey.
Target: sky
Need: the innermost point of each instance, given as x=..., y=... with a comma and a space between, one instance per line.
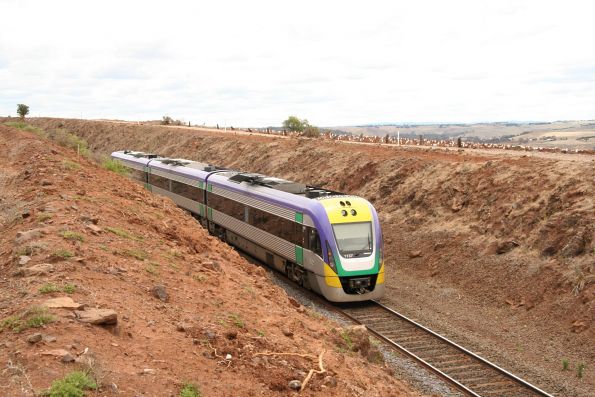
x=335, y=63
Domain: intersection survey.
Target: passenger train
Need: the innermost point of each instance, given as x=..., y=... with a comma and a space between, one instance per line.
x=326, y=241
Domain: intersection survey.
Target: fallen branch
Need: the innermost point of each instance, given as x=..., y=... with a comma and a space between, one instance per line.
x=313, y=371
x=286, y=354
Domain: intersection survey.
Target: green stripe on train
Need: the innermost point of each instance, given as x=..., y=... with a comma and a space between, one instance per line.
x=299, y=255
x=299, y=217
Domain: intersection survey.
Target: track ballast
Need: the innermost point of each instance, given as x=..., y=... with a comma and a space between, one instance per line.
x=460, y=367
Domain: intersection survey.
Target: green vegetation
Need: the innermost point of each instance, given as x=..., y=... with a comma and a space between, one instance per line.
x=133, y=253
x=70, y=165
x=22, y=110
x=73, y=384
x=260, y=333
x=152, y=268
x=48, y=288
x=190, y=390
x=73, y=236
x=294, y=124
x=119, y=232
x=69, y=288
x=70, y=140
x=347, y=339
x=115, y=166
x=44, y=216
x=34, y=317
x=199, y=277
x=237, y=320
x=63, y=254
x=580, y=370
x=565, y=364
x=26, y=127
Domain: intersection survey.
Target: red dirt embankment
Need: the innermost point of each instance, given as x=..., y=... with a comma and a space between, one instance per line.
x=187, y=307
x=500, y=243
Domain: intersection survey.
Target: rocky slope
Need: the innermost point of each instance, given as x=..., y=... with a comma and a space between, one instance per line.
x=510, y=236
x=99, y=275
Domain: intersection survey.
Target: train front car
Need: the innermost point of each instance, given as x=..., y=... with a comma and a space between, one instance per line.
x=351, y=241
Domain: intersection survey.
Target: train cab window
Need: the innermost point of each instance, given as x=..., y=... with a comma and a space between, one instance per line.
x=314, y=241
x=159, y=181
x=188, y=191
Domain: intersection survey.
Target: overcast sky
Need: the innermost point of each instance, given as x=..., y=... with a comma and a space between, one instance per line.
x=253, y=63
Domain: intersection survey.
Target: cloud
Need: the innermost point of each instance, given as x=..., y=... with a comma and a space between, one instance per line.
x=255, y=63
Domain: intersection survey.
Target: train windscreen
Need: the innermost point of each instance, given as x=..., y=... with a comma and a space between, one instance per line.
x=354, y=239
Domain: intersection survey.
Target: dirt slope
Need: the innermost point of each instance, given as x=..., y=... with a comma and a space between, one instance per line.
x=188, y=308
x=510, y=237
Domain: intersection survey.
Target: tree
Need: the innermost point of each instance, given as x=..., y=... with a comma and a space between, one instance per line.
x=22, y=110
x=311, y=131
x=294, y=124
x=167, y=120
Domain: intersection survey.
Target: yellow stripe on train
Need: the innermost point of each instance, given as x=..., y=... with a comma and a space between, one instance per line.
x=354, y=209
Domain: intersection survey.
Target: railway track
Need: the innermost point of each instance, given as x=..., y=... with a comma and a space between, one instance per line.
x=465, y=370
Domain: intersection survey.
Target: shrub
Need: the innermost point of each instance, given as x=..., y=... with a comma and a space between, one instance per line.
x=34, y=317
x=73, y=236
x=22, y=110
x=48, y=288
x=115, y=166
x=69, y=288
x=62, y=254
x=70, y=140
x=73, y=384
x=190, y=390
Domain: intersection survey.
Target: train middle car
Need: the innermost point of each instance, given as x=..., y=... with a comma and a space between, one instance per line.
x=324, y=240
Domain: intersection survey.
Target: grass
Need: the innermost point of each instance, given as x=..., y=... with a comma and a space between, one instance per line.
x=565, y=365
x=73, y=236
x=73, y=384
x=237, y=320
x=123, y=233
x=260, y=333
x=580, y=370
x=70, y=140
x=44, y=216
x=62, y=253
x=151, y=268
x=115, y=166
x=190, y=390
x=34, y=317
x=26, y=127
x=347, y=339
x=69, y=288
x=48, y=288
x=199, y=277
x=70, y=165
x=133, y=253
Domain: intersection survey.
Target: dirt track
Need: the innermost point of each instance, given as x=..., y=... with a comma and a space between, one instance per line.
x=496, y=250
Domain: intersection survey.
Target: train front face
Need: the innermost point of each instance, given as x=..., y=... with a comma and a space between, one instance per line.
x=352, y=249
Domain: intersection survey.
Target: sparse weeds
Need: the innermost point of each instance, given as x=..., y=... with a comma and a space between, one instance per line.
x=70, y=140
x=44, y=216
x=31, y=249
x=119, y=232
x=347, y=339
x=27, y=127
x=237, y=320
x=260, y=333
x=72, y=236
x=580, y=370
x=115, y=166
x=199, y=277
x=34, y=317
x=152, y=268
x=70, y=165
x=190, y=390
x=134, y=253
x=48, y=288
x=565, y=364
x=73, y=384
x=62, y=254
x=69, y=288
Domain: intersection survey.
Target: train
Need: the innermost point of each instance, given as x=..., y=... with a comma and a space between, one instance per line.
x=326, y=241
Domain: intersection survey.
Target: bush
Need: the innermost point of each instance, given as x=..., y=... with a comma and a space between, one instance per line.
x=115, y=166
x=73, y=385
x=70, y=140
x=190, y=390
x=22, y=110
x=35, y=317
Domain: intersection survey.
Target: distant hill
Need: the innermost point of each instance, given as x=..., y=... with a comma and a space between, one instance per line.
x=565, y=134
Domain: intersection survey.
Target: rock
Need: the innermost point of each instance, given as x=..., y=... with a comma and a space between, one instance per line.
x=49, y=338
x=23, y=260
x=61, y=353
x=330, y=381
x=160, y=293
x=94, y=229
x=23, y=237
x=182, y=327
x=37, y=337
x=414, y=254
x=148, y=371
x=295, y=384
x=506, y=246
x=287, y=332
x=212, y=265
x=88, y=218
x=36, y=270
x=293, y=302
x=63, y=302
x=211, y=335
x=575, y=247
x=67, y=358
x=97, y=316
x=46, y=182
